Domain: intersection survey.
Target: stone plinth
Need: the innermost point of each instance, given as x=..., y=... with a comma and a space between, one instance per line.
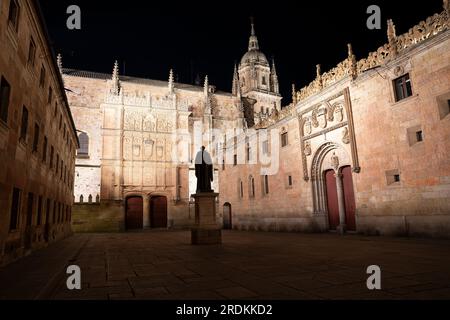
x=206, y=230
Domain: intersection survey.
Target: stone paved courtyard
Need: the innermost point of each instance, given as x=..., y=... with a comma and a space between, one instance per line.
x=249, y=265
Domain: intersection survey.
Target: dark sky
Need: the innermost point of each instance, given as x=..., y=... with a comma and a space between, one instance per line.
x=207, y=37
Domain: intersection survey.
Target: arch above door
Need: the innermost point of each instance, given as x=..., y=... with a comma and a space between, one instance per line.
x=332, y=185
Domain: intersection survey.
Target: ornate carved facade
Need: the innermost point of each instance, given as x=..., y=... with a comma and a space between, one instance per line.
x=346, y=158
x=141, y=144
x=354, y=154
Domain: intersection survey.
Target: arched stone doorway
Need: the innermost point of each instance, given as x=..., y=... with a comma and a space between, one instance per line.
x=227, y=218
x=332, y=185
x=134, y=213
x=158, y=212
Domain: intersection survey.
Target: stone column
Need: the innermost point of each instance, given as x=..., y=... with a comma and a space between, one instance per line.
x=146, y=211
x=341, y=202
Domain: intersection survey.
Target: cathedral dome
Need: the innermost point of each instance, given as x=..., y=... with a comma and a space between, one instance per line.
x=254, y=56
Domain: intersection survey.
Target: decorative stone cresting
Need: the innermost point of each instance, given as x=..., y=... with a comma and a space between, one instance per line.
x=432, y=26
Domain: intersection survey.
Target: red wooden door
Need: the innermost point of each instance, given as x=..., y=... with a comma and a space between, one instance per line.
x=349, y=196
x=332, y=199
x=158, y=212
x=134, y=213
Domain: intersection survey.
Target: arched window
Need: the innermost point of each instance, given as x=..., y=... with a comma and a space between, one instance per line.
x=251, y=187
x=241, y=189
x=84, y=144
x=284, y=137
x=266, y=184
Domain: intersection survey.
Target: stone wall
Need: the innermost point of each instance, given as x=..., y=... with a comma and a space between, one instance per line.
x=133, y=138
x=418, y=204
x=42, y=181
x=360, y=122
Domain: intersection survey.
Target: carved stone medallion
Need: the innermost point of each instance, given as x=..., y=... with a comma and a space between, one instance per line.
x=307, y=149
x=338, y=113
x=307, y=128
x=345, y=136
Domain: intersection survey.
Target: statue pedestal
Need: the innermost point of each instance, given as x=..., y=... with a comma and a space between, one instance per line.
x=206, y=230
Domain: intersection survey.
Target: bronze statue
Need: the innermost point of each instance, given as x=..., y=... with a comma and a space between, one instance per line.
x=203, y=171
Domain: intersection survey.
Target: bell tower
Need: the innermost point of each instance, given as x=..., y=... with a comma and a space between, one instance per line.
x=257, y=79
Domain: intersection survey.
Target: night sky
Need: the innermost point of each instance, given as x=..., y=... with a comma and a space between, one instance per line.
x=208, y=37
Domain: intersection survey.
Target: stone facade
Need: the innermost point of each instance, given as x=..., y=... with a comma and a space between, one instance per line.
x=385, y=118
x=38, y=141
x=362, y=148
x=141, y=143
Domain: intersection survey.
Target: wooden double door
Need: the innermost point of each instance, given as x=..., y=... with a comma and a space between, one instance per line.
x=158, y=212
x=135, y=212
x=333, y=201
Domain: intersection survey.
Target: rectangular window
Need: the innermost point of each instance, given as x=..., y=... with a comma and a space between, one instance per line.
x=290, y=183
x=36, y=138
x=42, y=77
x=419, y=136
x=50, y=95
x=57, y=163
x=284, y=139
x=44, y=150
x=5, y=90
x=15, y=209
x=39, y=215
x=415, y=135
x=235, y=160
x=52, y=153
x=392, y=177
x=402, y=87
x=31, y=52
x=14, y=12
x=47, y=212
x=24, y=124
x=54, y=212
x=30, y=209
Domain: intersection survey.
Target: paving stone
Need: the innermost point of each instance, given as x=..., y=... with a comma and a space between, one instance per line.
x=249, y=265
x=236, y=293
